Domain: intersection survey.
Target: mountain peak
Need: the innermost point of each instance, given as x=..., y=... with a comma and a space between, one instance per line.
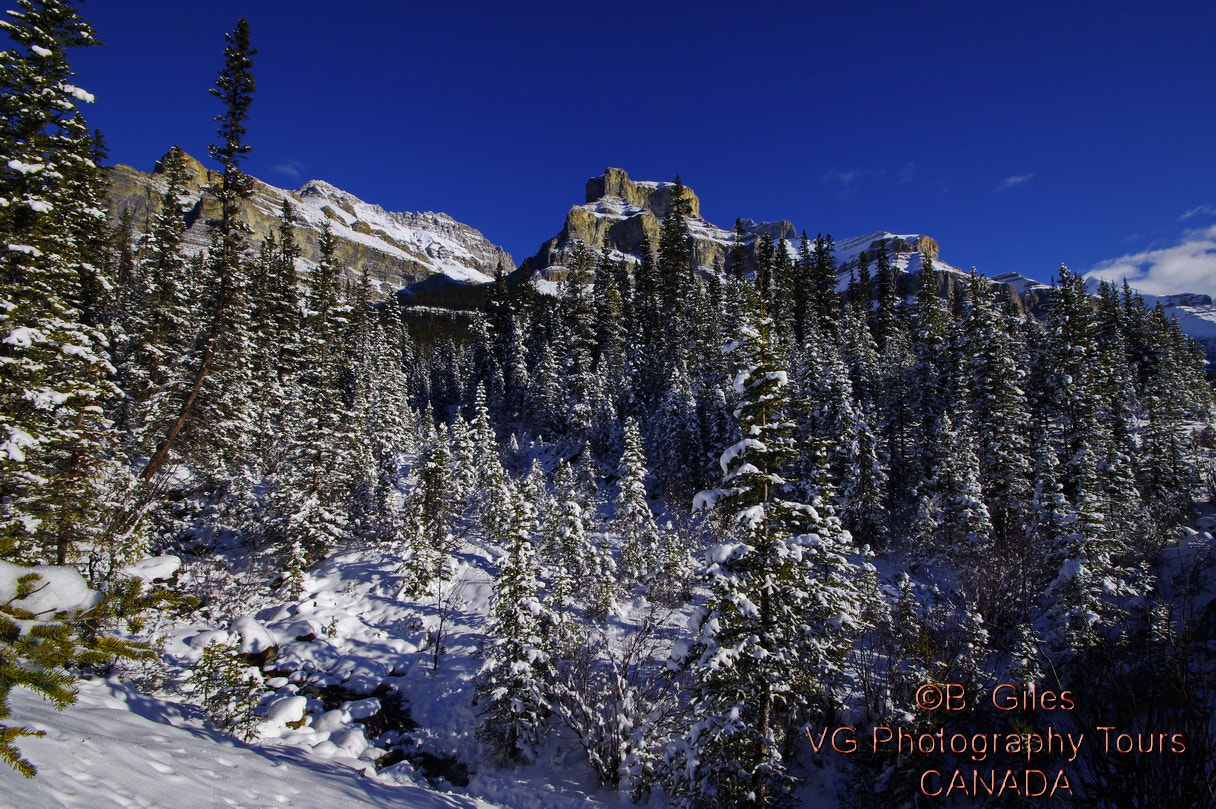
x=396, y=249
x=322, y=188
x=655, y=197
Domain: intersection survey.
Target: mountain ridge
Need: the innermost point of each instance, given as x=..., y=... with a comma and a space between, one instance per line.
x=428, y=249
x=396, y=249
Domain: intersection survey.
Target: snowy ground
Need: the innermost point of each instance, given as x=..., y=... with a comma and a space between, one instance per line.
x=344, y=652
x=351, y=634
x=116, y=749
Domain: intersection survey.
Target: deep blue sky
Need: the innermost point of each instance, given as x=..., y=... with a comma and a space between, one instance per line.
x=1020, y=135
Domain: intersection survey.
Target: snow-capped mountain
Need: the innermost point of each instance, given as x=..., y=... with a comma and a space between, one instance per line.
x=1195, y=312
x=399, y=249
x=621, y=213
x=396, y=249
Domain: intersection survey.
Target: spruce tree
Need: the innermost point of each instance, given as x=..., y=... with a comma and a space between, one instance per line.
x=784, y=603
x=54, y=440
x=633, y=518
x=224, y=340
x=675, y=278
x=310, y=500
x=55, y=444
x=512, y=687
x=161, y=321
x=825, y=303
x=736, y=265
x=884, y=318
x=997, y=405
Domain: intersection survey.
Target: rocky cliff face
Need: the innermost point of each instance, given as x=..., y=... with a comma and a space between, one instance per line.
x=623, y=215
x=396, y=249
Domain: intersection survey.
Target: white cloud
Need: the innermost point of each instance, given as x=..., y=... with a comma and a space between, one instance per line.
x=908, y=173
x=842, y=176
x=1014, y=182
x=1201, y=210
x=847, y=177
x=291, y=169
x=1189, y=266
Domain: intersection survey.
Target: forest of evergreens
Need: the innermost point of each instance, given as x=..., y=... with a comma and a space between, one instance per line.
x=852, y=491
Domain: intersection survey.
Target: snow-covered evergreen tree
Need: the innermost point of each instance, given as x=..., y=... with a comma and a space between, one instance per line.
x=215, y=412
x=54, y=439
x=997, y=407
x=784, y=604
x=162, y=318
x=513, y=684
x=632, y=518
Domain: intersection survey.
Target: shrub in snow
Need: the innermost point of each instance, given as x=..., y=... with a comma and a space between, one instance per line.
x=229, y=688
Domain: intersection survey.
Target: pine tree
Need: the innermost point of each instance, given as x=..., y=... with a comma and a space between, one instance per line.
x=997, y=405
x=864, y=493
x=55, y=442
x=962, y=527
x=784, y=603
x=736, y=265
x=765, y=256
x=1167, y=473
x=803, y=291
x=897, y=422
x=315, y=477
x=485, y=458
x=224, y=341
x=825, y=303
x=674, y=437
x=391, y=423
x=161, y=318
x=885, y=317
x=1069, y=396
x=675, y=278
x=781, y=306
x=432, y=516
x=577, y=319
x=632, y=516
x=512, y=686
x=860, y=355
x=861, y=287
x=612, y=338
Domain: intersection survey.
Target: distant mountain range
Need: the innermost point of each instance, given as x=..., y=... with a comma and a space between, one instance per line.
x=414, y=251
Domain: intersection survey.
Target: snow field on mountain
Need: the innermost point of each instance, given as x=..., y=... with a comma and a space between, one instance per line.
x=446, y=253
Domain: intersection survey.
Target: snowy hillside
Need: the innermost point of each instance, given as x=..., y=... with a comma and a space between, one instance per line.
x=1196, y=315
x=356, y=708
x=435, y=239
x=395, y=249
x=116, y=749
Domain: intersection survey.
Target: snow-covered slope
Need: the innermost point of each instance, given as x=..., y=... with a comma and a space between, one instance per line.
x=116, y=749
x=395, y=249
x=351, y=682
x=1196, y=313
x=436, y=240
